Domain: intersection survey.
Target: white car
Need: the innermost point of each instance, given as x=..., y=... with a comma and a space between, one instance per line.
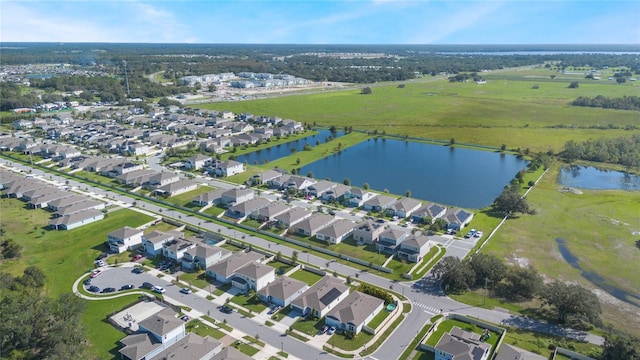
x=185, y=290
x=159, y=289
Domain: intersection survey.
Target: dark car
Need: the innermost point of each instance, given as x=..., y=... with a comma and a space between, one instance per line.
x=94, y=288
x=226, y=309
x=102, y=256
x=87, y=281
x=126, y=287
x=147, y=285
x=108, y=290
x=137, y=270
x=323, y=330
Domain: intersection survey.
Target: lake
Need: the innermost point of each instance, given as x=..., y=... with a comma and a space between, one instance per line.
x=447, y=175
x=588, y=177
x=278, y=151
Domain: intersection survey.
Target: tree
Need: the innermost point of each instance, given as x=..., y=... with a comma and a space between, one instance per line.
x=11, y=249
x=621, y=80
x=521, y=283
x=365, y=186
x=574, y=85
x=452, y=141
x=279, y=256
x=456, y=275
x=552, y=77
x=366, y=91
x=572, y=300
x=294, y=257
x=346, y=181
x=620, y=347
x=510, y=201
x=487, y=268
x=407, y=193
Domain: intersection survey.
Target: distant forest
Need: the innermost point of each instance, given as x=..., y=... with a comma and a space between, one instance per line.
x=624, y=151
x=394, y=63
x=623, y=103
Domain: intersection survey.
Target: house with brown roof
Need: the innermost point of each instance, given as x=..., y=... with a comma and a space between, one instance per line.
x=354, y=312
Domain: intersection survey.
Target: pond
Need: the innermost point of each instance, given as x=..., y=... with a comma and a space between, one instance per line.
x=588, y=177
x=447, y=175
x=281, y=150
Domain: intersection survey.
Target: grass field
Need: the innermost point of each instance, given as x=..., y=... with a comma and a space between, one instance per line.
x=598, y=228
x=184, y=199
x=504, y=110
x=306, y=276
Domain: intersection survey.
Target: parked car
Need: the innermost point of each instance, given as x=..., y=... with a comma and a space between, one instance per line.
x=147, y=285
x=323, y=330
x=102, y=256
x=331, y=331
x=94, y=288
x=136, y=258
x=108, y=290
x=95, y=273
x=126, y=287
x=100, y=263
x=87, y=281
x=185, y=290
x=184, y=318
x=137, y=270
x=226, y=309
x=159, y=290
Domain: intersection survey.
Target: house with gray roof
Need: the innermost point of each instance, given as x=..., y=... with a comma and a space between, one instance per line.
x=336, y=232
x=43, y=200
x=319, y=188
x=379, y=203
x=175, y=249
x=196, y=162
x=414, y=248
x=311, y=225
x=356, y=197
x=124, y=239
x=153, y=241
x=212, y=197
x=230, y=353
x=80, y=207
x=292, y=217
x=282, y=291
x=136, y=178
x=229, y=168
x=191, y=347
x=508, y=352
x=390, y=239
x=75, y=220
x=267, y=213
x=337, y=193
x=177, y=188
x=203, y=256
x=244, y=209
x=459, y=344
x=236, y=196
x=428, y=212
x=320, y=298
x=404, y=207
x=57, y=204
x=367, y=232
x=265, y=177
x=354, y=312
x=457, y=218
x=225, y=270
x=253, y=276
x=163, y=178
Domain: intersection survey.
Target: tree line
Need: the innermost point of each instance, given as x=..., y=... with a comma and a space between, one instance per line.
x=623, y=151
x=623, y=103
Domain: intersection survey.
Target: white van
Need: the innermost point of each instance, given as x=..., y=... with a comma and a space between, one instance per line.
x=159, y=289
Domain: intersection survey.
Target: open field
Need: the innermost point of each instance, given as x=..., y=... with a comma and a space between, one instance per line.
x=500, y=111
x=598, y=227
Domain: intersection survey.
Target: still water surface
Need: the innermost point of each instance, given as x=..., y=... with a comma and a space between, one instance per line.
x=451, y=176
x=588, y=177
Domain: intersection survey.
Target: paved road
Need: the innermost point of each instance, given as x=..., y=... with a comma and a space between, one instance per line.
x=424, y=293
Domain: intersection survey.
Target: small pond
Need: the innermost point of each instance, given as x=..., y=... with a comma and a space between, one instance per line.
x=588, y=177
x=284, y=149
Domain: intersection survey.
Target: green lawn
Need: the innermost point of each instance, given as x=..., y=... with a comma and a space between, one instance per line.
x=247, y=349
x=597, y=227
x=378, y=319
x=198, y=279
x=214, y=210
x=342, y=342
x=62, y=255
x=250, y=302
x=198, y=327
x=447, y=325
x=308, y=326
x=96, y=177
x=184, y=199
x=280, y=267
x=306, y=276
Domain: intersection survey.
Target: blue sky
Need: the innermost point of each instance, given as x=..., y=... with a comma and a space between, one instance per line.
x=323, y=21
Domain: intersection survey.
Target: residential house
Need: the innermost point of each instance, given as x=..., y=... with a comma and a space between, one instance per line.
x=75, y=220
x=224, y=270
x=508, y=352
x=282, y=291
x=209, y=198
x=457, y=218
x=136, y=178
x=428, y=213
x=291, y=217
x=124, y=239
x=356, y=197
x=236, y=196
x=192, y=346
x=320, y=298
x=247, y=208
x=265, y=177
x=354, y=312
x=336, y=193
x=203, y=256
x=390, y=239
x=404, y=207
x=162, y=179
x=336, y=232
x=267, y=213
x=367, y=232
x=152, y=242
x=253, y=276
x=55, y=205
x=80, y=207
x=311, y=225
x=414, y=248
x=196, y=162
x=319, y=188
x=43, y=200
x=229, y=168
x=177, y=188
x=230, y=353
x=298, y=182
x=461, y=344
x=379, y=203
x=175, y=249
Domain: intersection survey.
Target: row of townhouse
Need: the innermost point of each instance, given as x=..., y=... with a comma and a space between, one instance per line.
x=69, y=210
